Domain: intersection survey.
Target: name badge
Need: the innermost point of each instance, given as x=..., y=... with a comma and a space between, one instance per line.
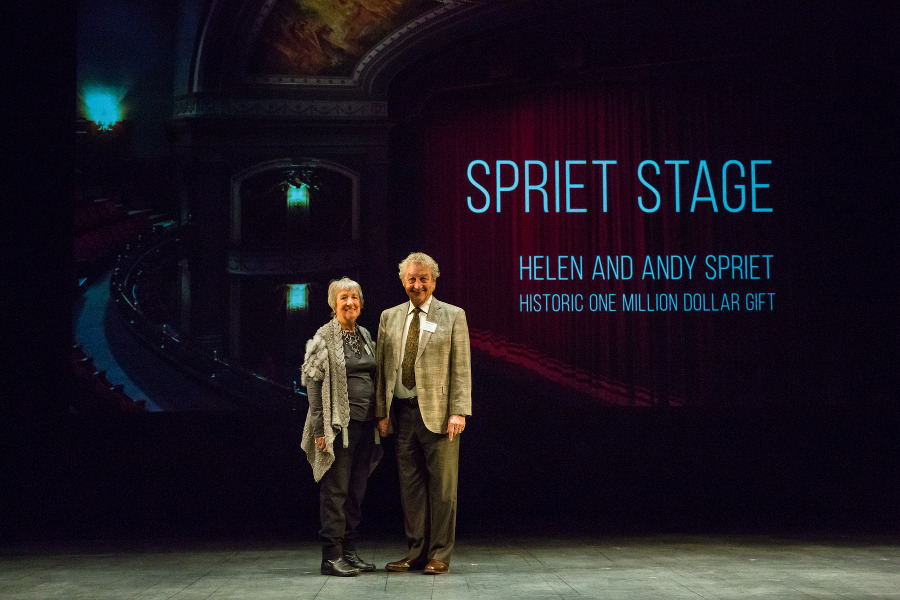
x=429, y=326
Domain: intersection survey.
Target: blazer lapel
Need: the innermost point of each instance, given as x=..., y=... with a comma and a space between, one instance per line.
x=433, y=316
x=397, y=330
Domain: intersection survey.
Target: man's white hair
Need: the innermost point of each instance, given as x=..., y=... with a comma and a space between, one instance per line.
x=419, y=258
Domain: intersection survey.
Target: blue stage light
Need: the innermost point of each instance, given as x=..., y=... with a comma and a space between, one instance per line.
x=298, y=296
x=102, y=107
x=298, y=197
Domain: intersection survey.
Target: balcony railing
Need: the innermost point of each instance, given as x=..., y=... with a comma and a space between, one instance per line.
x=242, y=387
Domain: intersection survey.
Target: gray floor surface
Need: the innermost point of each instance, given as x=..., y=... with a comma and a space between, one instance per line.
x=633, y=567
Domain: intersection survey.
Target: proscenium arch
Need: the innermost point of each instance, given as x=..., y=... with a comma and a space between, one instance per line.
x=238, y=179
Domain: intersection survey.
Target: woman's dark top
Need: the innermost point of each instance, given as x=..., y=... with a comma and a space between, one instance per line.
x=360, y=382
x=360, y=386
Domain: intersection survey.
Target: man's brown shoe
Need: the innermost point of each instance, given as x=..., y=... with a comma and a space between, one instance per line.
x=402, y=566
x=436, y=567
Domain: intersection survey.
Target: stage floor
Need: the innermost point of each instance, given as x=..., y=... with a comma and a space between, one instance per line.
x=632, y=567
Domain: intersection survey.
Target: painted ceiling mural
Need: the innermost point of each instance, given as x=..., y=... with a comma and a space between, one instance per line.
x=327, y=37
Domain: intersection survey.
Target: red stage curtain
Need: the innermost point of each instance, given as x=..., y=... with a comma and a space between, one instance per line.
x=619, y=357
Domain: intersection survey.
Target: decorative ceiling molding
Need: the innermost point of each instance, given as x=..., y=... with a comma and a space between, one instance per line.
x=418, y=25
x=232, y=30
x=244, y=262
x=193, y=106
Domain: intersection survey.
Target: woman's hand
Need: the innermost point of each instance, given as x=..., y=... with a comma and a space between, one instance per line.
x=320, y=442
x=382, y=427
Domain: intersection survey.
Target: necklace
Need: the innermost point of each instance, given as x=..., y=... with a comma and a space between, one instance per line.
x=351, y=338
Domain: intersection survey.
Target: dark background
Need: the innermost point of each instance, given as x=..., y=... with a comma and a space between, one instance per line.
x=817, y=453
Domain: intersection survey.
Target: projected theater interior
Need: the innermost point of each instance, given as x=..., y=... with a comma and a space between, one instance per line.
x=620, y=196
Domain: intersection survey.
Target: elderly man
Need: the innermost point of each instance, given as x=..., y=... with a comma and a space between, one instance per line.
x=423, y=393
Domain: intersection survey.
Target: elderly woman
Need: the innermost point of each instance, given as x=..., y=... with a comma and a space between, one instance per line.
x=340, y=437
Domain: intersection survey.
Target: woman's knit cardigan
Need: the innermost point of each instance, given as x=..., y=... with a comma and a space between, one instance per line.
x=324, y=361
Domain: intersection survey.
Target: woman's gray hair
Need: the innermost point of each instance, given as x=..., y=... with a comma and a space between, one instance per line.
x=340, y=285
x=419, y=258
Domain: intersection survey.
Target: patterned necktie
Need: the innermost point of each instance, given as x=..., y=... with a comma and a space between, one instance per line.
x=409, y=352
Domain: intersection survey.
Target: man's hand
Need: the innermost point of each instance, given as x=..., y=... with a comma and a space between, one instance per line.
x=382, y=427
x=455, y=425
